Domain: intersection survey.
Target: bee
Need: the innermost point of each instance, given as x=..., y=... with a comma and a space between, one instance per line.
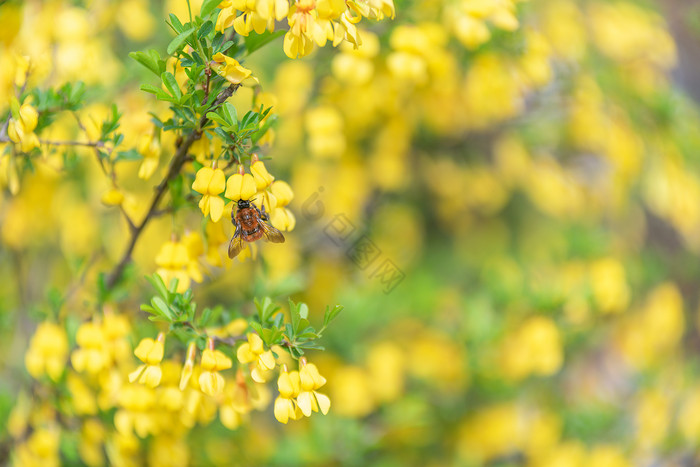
x=251, y=224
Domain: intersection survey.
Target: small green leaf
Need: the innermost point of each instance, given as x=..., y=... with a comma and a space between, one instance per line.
x=173, y=285
x=330, y=315
x=158, y=284
x=146, y=60
x=230, y=113
x=257, y=327
x=303, y=310
x=207, y=7
x=254, y=41
x=171, y=84
x=162, y=307
x=206, y=28
x=180, y=39
x=175, y=23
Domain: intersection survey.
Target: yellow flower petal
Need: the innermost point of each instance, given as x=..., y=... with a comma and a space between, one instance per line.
x=305, y=403
x=216, y=207
x=324, y=402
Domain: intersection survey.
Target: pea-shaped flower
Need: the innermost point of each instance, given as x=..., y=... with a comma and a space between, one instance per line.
x=289, y=386
x=213, y=361
x=230, y=69
x=22, y=130
x=262, y=177
x=150, y=352
x=210, y=183
x=240, y=186
x=309, y=400
x=254, y=352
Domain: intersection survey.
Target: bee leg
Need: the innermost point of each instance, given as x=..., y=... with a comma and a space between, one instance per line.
x=265, y=216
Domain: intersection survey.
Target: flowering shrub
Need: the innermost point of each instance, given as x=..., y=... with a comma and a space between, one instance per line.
x=502, y=194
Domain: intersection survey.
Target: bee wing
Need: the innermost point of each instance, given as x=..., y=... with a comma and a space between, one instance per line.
x=235, y=246
x=270, y=233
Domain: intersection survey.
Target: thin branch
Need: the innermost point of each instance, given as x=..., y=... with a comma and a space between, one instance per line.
x=175, y=166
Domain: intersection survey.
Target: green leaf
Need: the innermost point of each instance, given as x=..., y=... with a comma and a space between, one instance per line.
x=330, y=315
x=254, y=41
x=303, y=310
x=162, y=307
x=171, y=84
x=175, y=23
x=296, y=316
x=173, y=285
x=213, y=116
x=160, y=94
x=146, y=60
x=207, y=7
x=206, y=28
x=158, y=284
x=257, y=327
x=180, y=39
x=230, y=113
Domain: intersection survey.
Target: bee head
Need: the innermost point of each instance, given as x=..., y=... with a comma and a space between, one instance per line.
x=243, y=203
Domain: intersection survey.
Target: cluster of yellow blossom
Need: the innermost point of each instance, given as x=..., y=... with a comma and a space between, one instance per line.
x=179, y=260
x=298, y=395
x=258, y=186
x=21, y=128
x=159, y=398
x=310, y=21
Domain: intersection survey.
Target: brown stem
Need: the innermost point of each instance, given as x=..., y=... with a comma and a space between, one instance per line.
x=175, y=166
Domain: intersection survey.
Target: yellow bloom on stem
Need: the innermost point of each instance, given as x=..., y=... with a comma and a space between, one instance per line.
x=188, y=367
x=282, y=218
x=21, y=127
x=210, y=182
x=240, y=186
x=48, y=349
x=262, y=177
x=289, y=386
x=226, y=17
x=254, y=352
x=150, y=352
x=177, y=260
x=230, y=69
x=213, y=361
x=308, y=399
x=302, y=22
x=92, y=355
x=149, y=148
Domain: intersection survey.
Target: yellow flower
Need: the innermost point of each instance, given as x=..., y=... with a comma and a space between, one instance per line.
x=150, y=352
x=262, y=177
x=230, y=69
x=22, y=130
x=112, y=197
x=240, y=186
x=92, y=356
x=226, y=17
x=289, y=386
x=308, y=399
x=254, y=352
x=47, y=352
x=302, y=21
x=210, y=183
x=213, y=361
x=176, y=261
x=149, y=148
x=281, y=217
x=188, y=367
